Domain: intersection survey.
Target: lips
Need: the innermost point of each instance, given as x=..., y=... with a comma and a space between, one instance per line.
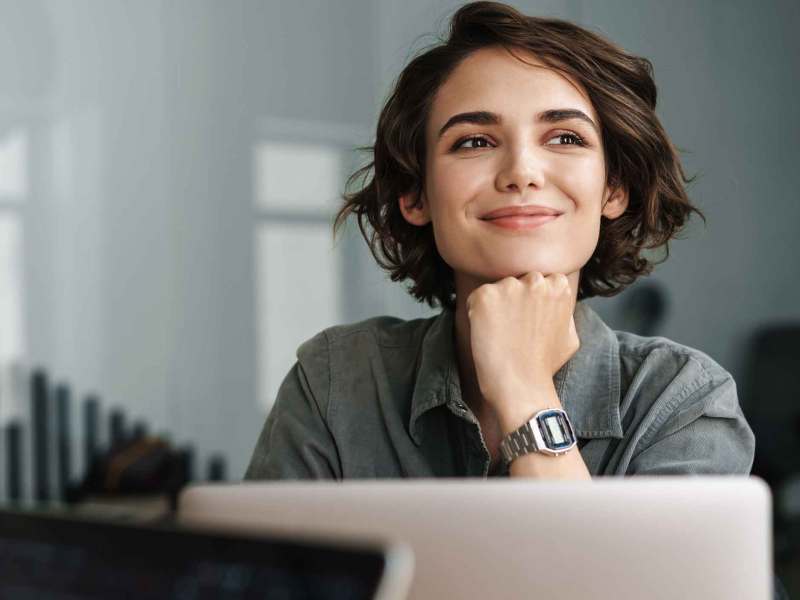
x=520, y=211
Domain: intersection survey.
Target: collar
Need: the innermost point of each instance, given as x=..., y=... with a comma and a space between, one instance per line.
x=588, y=385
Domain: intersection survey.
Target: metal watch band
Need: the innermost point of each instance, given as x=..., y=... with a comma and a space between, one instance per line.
x=536, y=435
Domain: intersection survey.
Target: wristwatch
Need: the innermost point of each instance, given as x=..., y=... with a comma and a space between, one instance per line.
x=549, y=431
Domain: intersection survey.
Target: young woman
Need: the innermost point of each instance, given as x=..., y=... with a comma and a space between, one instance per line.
x=519, y=168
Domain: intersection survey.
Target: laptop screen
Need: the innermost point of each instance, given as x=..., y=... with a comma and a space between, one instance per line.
x=57, y=557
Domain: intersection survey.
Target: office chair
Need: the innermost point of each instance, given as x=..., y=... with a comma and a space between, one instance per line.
x=770, y=403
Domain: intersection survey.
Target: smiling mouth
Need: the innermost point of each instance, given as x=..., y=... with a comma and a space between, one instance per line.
x=521, y=222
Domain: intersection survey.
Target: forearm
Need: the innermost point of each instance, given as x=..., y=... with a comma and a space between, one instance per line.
x=522, y=405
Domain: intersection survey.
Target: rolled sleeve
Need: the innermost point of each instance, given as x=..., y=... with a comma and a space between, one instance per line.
x=296, y=441
x=706, y=433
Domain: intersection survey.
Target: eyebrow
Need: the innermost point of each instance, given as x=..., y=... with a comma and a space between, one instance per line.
x=483, y=117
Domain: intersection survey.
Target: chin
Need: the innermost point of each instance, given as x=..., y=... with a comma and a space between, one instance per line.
x=523, y=269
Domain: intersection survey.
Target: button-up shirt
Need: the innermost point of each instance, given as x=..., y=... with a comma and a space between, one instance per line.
x=381, y=398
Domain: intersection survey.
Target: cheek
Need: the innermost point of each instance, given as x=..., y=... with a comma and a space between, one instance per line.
x=446, y=235
x=450, y=190
x=592, y=236
x=585, y=224
x=454, y=184
x=584, y=183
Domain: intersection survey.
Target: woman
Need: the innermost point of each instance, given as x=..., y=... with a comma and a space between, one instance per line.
x=519, y=168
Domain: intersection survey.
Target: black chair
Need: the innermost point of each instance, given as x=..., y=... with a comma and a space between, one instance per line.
x=770, y=399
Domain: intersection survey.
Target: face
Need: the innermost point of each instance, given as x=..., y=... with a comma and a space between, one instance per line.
x=516, y=156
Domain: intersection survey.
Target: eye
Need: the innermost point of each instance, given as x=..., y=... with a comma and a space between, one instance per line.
x=576, y=140
x=567, y=138
x=476, y=138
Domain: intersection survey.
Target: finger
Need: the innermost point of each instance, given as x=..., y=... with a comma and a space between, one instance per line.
x=558, y=279
x=533, y=278
x=566, y=288
x=557, y=284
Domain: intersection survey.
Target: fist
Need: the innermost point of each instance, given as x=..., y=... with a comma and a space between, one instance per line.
x=522, y=331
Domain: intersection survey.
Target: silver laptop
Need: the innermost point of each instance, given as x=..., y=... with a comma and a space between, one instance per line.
x=688, y=537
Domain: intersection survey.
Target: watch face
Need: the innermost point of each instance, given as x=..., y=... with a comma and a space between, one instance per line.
x=556, y=430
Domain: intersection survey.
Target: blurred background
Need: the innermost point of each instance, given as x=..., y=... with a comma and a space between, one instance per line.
x=169, y=170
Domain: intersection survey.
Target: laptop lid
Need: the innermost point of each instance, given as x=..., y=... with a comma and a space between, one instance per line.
x=47, y=556
x=612, y=539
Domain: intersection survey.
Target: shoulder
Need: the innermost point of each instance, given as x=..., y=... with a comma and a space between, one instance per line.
x=680, y=410
x=347, y=352
x=350, y=364
x=674, y=377
x=368, y=334
x=666, y=354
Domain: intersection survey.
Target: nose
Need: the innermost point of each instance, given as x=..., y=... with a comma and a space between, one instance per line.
x=521, y=169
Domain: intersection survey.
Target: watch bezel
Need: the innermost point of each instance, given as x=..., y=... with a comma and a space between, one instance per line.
x=529, y=438
x=543, y=437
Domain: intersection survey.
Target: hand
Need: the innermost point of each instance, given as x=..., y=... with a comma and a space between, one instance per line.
x=522, y=331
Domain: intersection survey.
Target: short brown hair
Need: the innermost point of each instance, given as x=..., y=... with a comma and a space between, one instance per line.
x=639, y=155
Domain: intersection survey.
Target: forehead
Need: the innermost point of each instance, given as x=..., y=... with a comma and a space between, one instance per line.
x=494, y=79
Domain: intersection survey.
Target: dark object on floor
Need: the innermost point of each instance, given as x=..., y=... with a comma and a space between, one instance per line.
x=63, y=439
x=40, y=414
x=13, y=450
x=769, y=400
x=147, y=465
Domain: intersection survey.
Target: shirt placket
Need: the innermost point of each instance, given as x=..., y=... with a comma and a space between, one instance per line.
x=473, y=445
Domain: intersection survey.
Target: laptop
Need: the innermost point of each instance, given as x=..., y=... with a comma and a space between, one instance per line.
x=688, y=537
x=44, y=556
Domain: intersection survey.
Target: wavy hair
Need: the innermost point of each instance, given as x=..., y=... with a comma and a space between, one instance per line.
x=638, y=153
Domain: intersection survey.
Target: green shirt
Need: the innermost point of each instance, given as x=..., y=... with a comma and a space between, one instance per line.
x=381, y=398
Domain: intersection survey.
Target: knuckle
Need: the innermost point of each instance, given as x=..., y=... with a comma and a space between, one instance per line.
x=479, y=295
x=559, y=284
x=474, y=297
x=536, y=279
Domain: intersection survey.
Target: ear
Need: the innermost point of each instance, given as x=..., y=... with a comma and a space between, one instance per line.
x=616, y=202
x=415, y=208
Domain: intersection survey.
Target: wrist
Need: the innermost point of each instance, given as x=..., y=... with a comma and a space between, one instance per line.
x=515, y=405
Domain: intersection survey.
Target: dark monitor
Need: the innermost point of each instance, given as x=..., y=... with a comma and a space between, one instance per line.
x=45, y=556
